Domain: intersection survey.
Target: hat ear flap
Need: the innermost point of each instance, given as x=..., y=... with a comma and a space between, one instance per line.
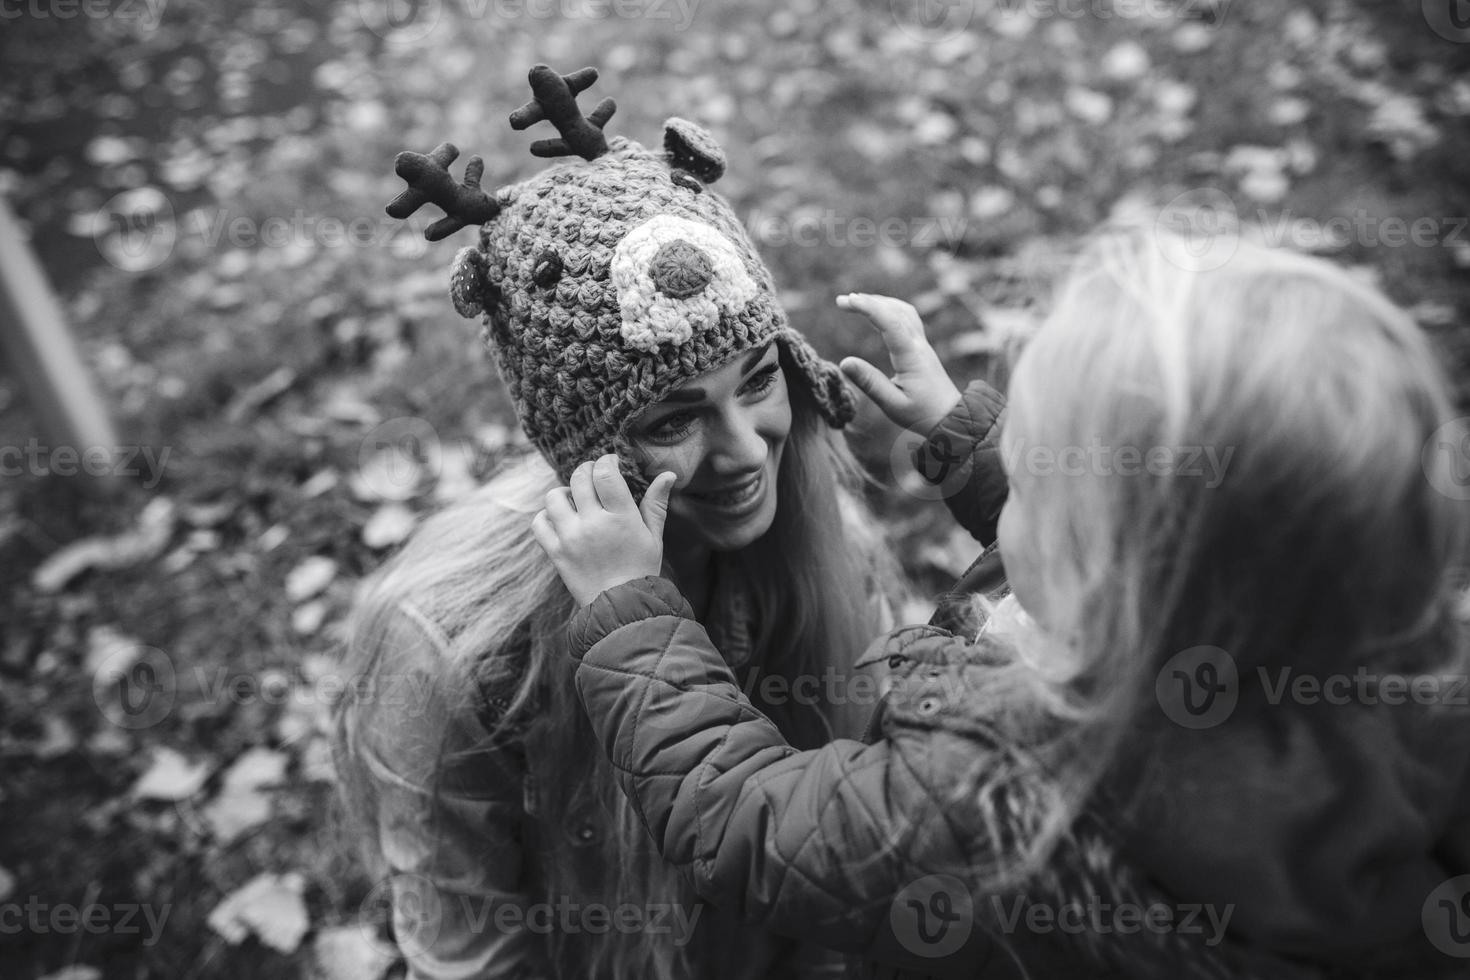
x=691, y=147
x=822, y=379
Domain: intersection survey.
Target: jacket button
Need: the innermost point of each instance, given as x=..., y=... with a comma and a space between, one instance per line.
x=586, y=833
x=930, y=705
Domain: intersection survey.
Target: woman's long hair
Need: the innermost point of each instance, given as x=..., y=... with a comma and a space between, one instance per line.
x=476, y=574
x=1317, y=536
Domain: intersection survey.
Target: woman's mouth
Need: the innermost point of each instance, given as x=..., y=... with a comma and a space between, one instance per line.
x=737, y=499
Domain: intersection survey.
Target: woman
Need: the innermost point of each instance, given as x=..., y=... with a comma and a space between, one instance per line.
x=628, y=312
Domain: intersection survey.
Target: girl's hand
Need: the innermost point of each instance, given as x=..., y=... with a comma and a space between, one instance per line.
x=596, y=536
x=920, y=392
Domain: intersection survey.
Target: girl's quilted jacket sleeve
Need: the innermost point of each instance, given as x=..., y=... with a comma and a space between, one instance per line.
x=962, y=457
x=815, y=842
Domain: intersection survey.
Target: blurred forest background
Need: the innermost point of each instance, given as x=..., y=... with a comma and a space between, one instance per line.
x=205, y=182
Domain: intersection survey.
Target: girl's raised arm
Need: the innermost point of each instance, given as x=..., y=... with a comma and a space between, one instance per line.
x=850, y=845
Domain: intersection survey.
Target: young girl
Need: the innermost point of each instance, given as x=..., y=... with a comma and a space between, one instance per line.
x=627, y=311
x=1186, y=746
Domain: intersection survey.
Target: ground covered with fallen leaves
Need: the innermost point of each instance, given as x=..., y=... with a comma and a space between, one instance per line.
x=205, y=184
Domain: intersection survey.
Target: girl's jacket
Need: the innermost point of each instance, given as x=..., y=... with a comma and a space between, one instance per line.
x=1326, y=841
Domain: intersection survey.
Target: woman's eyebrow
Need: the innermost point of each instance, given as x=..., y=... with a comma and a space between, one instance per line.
x=698, y=394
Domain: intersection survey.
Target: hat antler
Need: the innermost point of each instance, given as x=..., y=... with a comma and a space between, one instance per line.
x=429, y=182
x=554, y=98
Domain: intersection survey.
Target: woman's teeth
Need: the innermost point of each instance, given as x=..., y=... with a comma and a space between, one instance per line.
x=732, y=498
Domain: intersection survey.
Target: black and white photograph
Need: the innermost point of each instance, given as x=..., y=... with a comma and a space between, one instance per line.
x=734, y=489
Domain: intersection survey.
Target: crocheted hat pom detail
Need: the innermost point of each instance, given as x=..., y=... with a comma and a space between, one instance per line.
x=690, y=147
x=680, y=270
x=467, y=285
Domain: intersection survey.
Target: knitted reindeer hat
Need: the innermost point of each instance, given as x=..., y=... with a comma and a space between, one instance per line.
x=607, y=282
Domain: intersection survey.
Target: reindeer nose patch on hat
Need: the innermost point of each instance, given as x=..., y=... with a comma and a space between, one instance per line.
x=680, y=269
x=676, y=277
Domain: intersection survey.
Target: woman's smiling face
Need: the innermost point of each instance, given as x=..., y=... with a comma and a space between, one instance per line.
x=722, y=435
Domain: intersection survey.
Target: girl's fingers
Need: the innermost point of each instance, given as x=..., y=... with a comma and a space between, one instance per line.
x=544, y=533
x=559, y=508
x=898, y=322
x=584, y=494
x=873, y=383
x=655, y=507
x=612, y=489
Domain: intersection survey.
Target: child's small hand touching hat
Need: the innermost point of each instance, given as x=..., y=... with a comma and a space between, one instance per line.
x=595, y=534
x=920, y=392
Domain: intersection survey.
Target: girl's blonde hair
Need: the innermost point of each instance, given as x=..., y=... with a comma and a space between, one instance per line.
x=1315, y=539
x=476, y=573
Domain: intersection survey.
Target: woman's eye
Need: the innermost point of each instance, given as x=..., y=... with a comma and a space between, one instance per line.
x=671, y=428
x=763, y=381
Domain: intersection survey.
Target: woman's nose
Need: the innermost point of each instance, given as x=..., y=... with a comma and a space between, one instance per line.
x=740, y=446
x=680, y=269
